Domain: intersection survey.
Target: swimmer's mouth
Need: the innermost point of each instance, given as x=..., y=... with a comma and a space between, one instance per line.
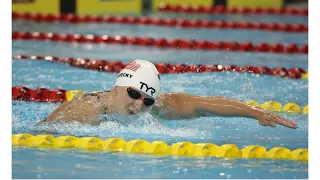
x=130, y=112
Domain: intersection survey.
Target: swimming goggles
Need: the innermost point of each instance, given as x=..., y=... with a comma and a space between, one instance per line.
x=136, y=95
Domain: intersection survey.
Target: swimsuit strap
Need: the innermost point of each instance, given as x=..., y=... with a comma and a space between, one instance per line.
x=95, y=94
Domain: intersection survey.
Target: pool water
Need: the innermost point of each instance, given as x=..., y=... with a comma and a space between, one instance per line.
x=45, y=163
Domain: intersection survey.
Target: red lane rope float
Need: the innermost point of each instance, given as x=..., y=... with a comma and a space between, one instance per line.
x=164, y=68
x=150, y=21
x=22, y=93
x=38, y=94
x=164, y=43
x=233, y=10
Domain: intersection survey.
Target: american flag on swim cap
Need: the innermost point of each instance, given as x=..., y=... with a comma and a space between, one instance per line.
x=133, y=66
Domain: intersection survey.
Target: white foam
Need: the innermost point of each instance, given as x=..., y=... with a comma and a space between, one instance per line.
x=142, y=125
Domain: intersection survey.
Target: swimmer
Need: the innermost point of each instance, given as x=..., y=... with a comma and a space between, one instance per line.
x=137, y=90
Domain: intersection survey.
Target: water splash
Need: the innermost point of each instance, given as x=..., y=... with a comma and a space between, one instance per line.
x=139, y=126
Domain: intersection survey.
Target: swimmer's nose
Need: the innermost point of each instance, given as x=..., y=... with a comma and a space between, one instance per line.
x=138, y=103
x=136, y=107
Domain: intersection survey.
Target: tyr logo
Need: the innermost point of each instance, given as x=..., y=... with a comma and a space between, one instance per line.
x=147, y=88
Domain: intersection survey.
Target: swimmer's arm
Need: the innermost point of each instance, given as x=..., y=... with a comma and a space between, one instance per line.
x=178, y=105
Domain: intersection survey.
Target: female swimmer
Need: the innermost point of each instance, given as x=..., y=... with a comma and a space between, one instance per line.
x=137, y=90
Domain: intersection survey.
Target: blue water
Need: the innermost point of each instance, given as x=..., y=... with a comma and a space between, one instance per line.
x=37, y=163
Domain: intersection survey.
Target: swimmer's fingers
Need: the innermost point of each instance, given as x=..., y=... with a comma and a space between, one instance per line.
x=284, y=122
x=267, y=123
x=272, y=120
x=272, y=124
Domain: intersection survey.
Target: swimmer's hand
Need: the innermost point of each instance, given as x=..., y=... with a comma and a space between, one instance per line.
x=269, y=119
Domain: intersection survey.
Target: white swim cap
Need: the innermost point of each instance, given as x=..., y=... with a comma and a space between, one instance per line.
x=142, y=75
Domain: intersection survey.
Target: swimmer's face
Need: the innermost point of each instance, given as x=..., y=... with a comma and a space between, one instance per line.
x=128, y=105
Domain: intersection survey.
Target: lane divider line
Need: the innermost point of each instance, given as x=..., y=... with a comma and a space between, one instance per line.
x=177, y=44
x=164, y=68
x=23, y=93
x=166, y=22
x=158, y=148
x=163, y=7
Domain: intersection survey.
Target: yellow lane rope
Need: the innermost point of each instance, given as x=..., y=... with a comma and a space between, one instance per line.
x=159, y=148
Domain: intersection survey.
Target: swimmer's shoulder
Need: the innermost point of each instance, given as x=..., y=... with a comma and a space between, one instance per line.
x=95, y=94
x=161, y=103
x=164, y=98
x=103, y=99
x=163, y=107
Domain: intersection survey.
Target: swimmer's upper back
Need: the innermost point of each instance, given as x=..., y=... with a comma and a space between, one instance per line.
x=83, y=108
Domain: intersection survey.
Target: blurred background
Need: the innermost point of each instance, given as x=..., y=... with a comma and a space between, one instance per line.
x=136, y=6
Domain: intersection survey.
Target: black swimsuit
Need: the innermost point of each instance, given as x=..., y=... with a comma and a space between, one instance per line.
x=96, y=95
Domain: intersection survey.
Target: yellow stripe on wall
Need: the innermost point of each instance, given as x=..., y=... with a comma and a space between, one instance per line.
x=255, y=3
x=38, y=6
x=156, y=3
x=108, y=7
